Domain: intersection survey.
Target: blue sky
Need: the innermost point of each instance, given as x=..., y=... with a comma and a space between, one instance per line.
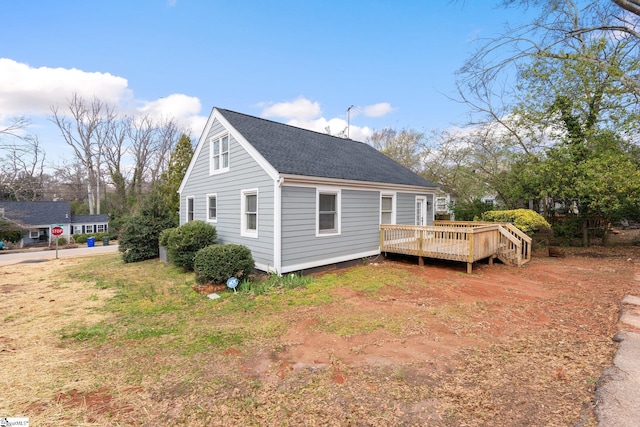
x=293, y=61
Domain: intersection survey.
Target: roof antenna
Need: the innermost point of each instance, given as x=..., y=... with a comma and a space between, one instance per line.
x=349, y=119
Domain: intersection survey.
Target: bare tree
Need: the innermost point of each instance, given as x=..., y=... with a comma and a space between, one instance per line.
x=85, y=130
x=22, y=172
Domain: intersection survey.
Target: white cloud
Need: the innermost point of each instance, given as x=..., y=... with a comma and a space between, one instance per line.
x=298, y=109
x=378, y=110
x=184, y=109
x=306, y=114
x=32, y=91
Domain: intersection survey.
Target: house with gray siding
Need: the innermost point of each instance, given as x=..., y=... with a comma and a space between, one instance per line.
x=298, y=199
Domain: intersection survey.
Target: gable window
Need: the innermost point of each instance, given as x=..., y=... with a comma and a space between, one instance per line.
x=249, y=218
x=328, y=212
x=387, y=211
x=219, y=154
x=212, y=207
x=190, y=209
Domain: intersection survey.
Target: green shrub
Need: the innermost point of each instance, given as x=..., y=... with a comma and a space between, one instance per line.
x=217, y=263
x=82, y=238
x=62, y=241
x=183, y=242
x=525, y=220
x=468, y=211
x=139, y=235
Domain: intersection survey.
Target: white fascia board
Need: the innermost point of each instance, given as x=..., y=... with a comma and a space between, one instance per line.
x=216, y=115
x=300, y=180
x=196, y=152
x=255, y=155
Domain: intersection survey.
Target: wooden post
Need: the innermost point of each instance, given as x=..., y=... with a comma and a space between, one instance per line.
x=469, y=267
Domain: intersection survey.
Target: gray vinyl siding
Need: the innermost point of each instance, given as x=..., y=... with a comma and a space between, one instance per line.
x=406, y=208
x=360, y=219
x=244, y=174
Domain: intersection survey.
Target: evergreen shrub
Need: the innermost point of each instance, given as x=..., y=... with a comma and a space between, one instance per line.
x=183, y=242
x=217, y=263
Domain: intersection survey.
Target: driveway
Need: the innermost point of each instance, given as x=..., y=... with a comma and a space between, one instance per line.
x=10, y=257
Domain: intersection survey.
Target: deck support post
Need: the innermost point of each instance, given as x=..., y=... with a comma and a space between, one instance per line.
x=469, y=267
x=491, y=258
x=420, y=261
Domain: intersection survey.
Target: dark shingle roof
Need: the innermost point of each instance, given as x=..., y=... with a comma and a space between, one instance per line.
x=37, y=213
x=89, y=219
x=46, y=212
x=296, y=151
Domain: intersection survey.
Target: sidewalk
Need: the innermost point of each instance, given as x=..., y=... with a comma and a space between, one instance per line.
x=617, y=399
x=43, y=254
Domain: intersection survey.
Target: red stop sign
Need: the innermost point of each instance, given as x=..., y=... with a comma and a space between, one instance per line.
x=57, y=231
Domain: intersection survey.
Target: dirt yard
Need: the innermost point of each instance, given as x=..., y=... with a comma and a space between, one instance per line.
x=502, y=346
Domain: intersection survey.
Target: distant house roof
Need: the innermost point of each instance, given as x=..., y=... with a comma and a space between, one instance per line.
x=296, y=151
x=37, y=213
x=89, y=219
x=40, y=213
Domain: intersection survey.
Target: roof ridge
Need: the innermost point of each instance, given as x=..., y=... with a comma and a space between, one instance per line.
x=291, y=126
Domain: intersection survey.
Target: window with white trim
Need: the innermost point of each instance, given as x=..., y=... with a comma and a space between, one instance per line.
x=212, y=207
x=328, y=212
x=190, y=209
x=249, y=218
x=441, y=204
x=387, y=214
x=34, y=234
x=219, y=147
x=101, y=228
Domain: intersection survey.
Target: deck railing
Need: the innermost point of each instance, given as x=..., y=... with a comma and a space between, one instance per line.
x=464, y=242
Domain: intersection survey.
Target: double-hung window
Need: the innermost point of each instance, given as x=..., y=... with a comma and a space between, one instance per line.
x=212, y=207
x=328, y=212
x=190, y=209
x=219, y=154
x=387, y=214
x=249, y=220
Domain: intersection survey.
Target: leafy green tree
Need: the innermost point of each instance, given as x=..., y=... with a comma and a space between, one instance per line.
x=139, y=236
x=172, y=178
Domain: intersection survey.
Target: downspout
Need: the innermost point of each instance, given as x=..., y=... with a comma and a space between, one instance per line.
x=277, y=224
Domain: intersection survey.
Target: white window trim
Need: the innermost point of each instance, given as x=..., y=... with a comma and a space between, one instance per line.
x=393, y=206
x=243, y=218
x=425, y=209
x=186, y=210
x=34, y=234
x=338, y=194
x=213, y=171
x=209, y=196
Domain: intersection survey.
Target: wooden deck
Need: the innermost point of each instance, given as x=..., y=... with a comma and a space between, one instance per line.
x=458, y=241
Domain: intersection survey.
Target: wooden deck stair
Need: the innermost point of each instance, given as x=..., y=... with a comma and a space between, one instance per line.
x=466, y=241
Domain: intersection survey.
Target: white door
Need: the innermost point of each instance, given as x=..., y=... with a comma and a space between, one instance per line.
x=421, y=210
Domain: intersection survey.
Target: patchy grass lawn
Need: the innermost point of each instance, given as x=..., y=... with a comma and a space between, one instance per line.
x=94, y=341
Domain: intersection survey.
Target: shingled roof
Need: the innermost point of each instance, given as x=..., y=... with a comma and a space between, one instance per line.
x=296, y=151
x=37, y=213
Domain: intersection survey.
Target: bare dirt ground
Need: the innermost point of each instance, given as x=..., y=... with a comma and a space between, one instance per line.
x=502, y=346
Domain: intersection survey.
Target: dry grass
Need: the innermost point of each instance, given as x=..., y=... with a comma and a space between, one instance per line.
x=94, y=342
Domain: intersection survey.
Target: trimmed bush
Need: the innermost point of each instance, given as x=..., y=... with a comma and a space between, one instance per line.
x=82, y=238
x=183, y=242
x=62, y=241
x=525, y=220
x=217, y=263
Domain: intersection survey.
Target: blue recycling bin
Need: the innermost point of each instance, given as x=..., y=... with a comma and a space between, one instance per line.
x=91, y=241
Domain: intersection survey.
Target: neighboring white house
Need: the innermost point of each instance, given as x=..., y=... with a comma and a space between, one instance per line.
x=298, y=199
x=37, y=218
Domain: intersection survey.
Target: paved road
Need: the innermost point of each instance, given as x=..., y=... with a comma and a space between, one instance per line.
x=10, y=257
